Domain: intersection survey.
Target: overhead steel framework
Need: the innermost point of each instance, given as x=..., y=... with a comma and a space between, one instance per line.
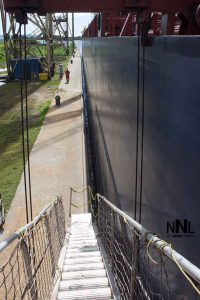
x=116, y=18
x=164, y=12
x=51, y=31
x=125, y=24
x=98, y=5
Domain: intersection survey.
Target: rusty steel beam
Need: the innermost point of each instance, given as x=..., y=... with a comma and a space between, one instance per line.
x=41, y=6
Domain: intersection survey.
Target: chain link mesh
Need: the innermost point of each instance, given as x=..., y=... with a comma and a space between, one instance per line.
x=135, y=274
x=31, y=269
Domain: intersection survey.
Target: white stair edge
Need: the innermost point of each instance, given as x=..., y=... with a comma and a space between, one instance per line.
x=83, y=260
x=83, y=239
x=83, y=274
x=90, y=294
x=73, y=239
x=83, y=249
x=80, y=233
x=82, y=242
x=83, y=254
x=87, y=283
x=83, y=267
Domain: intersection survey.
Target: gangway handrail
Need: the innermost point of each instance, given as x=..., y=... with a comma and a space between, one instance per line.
x=29, y=266
x=5, y=243
x=181, y=261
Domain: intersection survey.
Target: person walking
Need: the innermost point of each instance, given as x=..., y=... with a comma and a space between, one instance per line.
x=67, y=73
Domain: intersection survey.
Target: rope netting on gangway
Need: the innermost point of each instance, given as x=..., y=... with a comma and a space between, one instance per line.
x=32, y=267
x=143, y=265
x=140, y=264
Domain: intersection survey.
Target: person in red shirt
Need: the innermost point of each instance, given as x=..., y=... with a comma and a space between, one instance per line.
x=67, y=73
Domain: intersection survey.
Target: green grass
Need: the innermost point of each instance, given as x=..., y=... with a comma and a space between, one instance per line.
x=11, y=163
x=2, y=55
x=59, y=53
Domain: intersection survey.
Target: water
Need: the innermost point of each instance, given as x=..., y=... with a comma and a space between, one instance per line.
x=79, y=46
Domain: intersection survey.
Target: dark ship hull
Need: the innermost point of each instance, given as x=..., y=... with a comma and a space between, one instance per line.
x=145, y=115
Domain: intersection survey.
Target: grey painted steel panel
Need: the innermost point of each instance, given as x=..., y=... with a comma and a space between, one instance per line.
x=172, y=140
x=113, y=118
x=171, y=169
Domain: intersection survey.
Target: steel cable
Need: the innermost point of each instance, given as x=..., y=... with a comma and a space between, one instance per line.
x=22, y=124
x=137, y=128
x=142, y=130
x=27, y=124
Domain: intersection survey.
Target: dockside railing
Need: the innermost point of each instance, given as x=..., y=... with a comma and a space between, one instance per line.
x=31, y=256
x=143, y=265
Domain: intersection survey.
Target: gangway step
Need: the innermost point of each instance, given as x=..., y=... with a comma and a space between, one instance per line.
x=82, y=245
x=83, y=260
x=83, y=267
x=83, y=254
x=83, y=249
x=83, y=272
x=90, y=294
x=80, y=238
x=80, y=284
x=82, y=242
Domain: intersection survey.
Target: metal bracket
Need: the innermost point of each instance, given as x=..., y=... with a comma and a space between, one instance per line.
x=21, y=16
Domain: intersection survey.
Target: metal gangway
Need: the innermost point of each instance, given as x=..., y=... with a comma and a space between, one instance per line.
x=104, y=255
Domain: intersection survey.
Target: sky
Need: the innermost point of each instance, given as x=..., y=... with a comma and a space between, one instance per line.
x=80, y=20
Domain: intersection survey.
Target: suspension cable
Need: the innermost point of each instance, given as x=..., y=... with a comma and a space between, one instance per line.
x=27, y=124
x=137, y=124
x=142, y=129
x=142, y=140
x=22, y=124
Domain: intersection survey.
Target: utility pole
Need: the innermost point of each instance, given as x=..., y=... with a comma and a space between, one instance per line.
x=49, y=35
x=67, y=32
x=6, y=41
x=73, y=32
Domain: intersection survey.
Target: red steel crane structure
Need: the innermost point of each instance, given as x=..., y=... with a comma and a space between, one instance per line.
x=120, y=16
x=125, y=24
x=100, y=5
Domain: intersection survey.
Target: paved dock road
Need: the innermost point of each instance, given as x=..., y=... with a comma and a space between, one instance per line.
x=57, y=158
